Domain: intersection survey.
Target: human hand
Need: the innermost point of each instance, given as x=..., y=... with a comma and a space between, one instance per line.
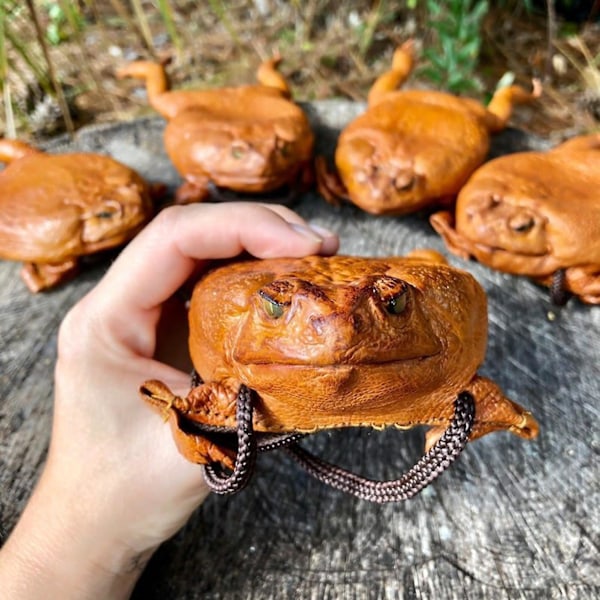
x=114, y=485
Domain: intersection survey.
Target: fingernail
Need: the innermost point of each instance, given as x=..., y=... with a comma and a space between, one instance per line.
x=307, y=231
x=322, y=231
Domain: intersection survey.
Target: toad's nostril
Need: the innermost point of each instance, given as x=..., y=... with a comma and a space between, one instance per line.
x=471, y=211
x=318, y=324
x=360, y=177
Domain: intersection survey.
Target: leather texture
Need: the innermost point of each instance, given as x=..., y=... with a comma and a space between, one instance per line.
x=414, y=148
x=250, y=138
x=55, y=208
x=338, y=341
x=533, y=213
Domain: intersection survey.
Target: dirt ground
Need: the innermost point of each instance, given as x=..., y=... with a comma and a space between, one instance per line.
x=328, y=52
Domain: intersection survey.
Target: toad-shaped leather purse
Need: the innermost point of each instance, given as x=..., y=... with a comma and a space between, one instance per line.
x=286, y=347
x=57, y=208
x=250, y=138
x=535, y=214
x=413, y=148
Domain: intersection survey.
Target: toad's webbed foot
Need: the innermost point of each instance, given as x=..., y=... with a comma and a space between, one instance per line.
x=42, y=276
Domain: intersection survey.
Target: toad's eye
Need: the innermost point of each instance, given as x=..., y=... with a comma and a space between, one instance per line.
x=392, y=294
x=494, y=200
x=273, y=308
x=397, y=304
x=522, y=223
x=110, y=208
x=404, y=183
x=237, y=151
x=284, y=148
x=105, y=214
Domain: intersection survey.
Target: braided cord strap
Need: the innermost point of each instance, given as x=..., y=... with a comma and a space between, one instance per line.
x=559, y=294
x=435, y=462
x=445, y=451
x=216, y=478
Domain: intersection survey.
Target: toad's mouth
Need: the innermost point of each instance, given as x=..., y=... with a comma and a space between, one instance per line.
x=250, y=182
x=341, y=365
x=500, y=250
x=241, y=177
x=511, y=261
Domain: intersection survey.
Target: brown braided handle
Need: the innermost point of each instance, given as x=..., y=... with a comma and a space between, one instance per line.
x=216, y=478
x=445, y=451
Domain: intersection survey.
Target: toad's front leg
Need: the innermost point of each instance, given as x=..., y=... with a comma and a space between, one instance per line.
x=493, y=412
x=192, y=191
x=42, y=276
x=329, y=183
x=208, y=406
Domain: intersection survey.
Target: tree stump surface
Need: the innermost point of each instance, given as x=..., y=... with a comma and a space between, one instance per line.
x=510, y=519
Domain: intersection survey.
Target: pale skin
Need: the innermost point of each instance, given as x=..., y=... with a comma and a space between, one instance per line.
x=114, y=486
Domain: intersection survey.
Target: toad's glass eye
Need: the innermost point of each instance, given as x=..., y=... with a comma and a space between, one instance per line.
x=522, y=223
x=237, y=151
x=494, y=200
x=398, y=303
x=109, y=209
x=105, y=214
x=405, y=182
x=284, y=148
x=273, y=308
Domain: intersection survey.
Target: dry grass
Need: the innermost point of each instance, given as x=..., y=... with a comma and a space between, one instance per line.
x=328, y=52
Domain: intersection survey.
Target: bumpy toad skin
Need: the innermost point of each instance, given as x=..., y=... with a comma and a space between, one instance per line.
x=413, y=148
x=57, y=208
x=250, y=138
x=534, y=213
x=337, y=342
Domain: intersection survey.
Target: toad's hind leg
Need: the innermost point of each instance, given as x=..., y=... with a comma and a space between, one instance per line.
x=402, y=64
x=493, y=412
x=443, y=223
x=269, y=76
x=582, y=142
x=329, y=184
x=191, y=192
x=155, y=78
x=502, y=103
x=584, y=282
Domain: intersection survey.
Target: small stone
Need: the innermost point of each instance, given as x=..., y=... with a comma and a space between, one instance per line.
x=115, y=51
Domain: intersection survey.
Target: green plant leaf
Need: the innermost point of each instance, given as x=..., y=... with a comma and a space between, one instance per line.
x=432, y=74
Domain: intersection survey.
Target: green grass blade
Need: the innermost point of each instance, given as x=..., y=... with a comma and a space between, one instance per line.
x=166, y=13
x=218, y=7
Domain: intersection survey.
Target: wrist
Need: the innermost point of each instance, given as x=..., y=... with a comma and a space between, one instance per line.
x=51, y=555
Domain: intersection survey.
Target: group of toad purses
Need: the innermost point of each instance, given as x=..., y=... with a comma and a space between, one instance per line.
x=387, y=341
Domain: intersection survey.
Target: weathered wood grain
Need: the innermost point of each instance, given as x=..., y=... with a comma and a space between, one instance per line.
x=511, y=519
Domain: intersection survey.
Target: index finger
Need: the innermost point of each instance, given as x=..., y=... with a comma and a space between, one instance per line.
x=161, y=258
